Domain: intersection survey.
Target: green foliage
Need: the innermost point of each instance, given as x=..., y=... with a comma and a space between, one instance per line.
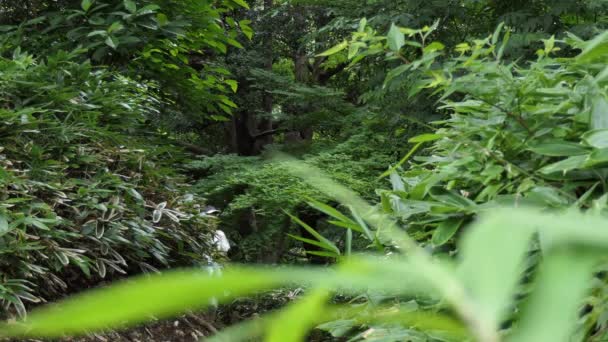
x=254, y=192
x=85, y=192
x=95, y=92
x=478, y=289
x=528, y=134
x=168, y=43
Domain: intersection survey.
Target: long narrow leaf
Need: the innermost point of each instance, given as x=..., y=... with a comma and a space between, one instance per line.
x=314, y=233
x=322, y=207
x=312, y=242
x=551, y=311
x=298, y=318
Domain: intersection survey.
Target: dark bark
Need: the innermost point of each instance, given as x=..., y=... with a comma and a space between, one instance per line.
x=248, y=133
x=265, y=123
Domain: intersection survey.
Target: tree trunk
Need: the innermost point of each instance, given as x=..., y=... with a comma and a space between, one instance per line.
x=303, y=75
x=265, y=124
x=245, y=127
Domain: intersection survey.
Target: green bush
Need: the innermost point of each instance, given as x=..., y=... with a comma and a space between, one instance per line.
x=475, y=294
x=85, y=190
x=255, y=192
x=517, y=134
x=158, y=40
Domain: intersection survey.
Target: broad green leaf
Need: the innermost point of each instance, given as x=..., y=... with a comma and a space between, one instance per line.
x=544, y=195
x=134, y=301
x=298, y=318
x=451, y=198
x=97, y=33
x=344, y=318
x=130, y=6
x=229, y=102
x=116, y=26
x=112, y=42
x=423, y=320
x=599, y=113
x=492, y=254
x=338, y=328
x=397, y=182
x=597, y=158
x=162, y=19
x=86, y=4
x=148, y=9
x=551, y=312
x=559, y=149
x=35, y=222
x=334, y=50
x=241, y=3
x=234, y=43
x=362, y=25
x=549, y=44
x=234, y=85
x=565, y=165
x=246, y=28
x=354, y=48
x=595, y=49
x=566, y=229
x=396, y=38
x=596, y=138
x=4, y=227
x=446, y=230
x=164, y=295
x=505, y=42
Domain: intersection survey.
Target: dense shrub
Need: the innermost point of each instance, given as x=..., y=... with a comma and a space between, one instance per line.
x=85, y=191
x=255, y=192
x=526, y=133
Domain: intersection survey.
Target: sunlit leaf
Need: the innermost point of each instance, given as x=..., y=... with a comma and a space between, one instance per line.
x=396, y=38
x=334, y=50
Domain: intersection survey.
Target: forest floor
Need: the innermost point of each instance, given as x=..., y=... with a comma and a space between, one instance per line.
x=188, y=328
x=194, y=326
